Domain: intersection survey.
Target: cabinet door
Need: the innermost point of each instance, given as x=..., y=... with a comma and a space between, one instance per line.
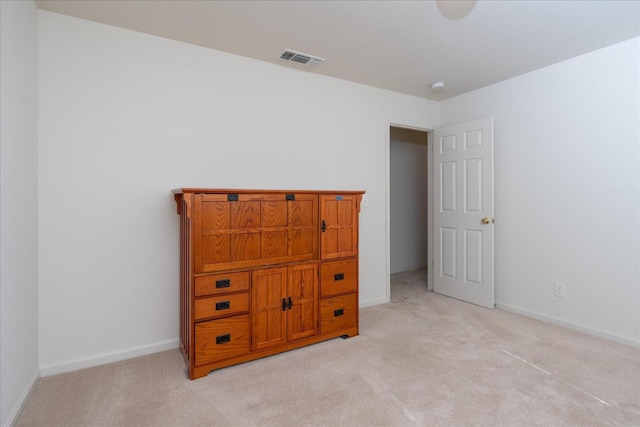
x=268, y=305
x=227, y=233
x=242, y=230
x=302, y=317
x=338, y=226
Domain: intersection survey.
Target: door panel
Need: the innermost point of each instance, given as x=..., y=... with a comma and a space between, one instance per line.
x=339, y=231
x=245, y=214
x=274, y=243
x=302, y=318
x=267, y=315
x=274, y=213
x=473, y=256
x=448, y=186
x=245, y=246
x=473, y=186
x=463, y=197
x=449, y=251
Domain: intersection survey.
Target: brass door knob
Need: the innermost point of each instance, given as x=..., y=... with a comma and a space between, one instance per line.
x=486, y=220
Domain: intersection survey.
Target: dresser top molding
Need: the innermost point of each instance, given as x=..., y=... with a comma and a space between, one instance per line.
x=178, y=191
x=247, y=191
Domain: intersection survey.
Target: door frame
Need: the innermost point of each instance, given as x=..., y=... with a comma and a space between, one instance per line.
x=423, y=127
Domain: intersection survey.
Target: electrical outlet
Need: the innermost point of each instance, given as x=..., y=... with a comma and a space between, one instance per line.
x=365, y=200
x=559, y=289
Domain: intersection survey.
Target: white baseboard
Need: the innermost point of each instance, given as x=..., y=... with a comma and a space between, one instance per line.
x=74, y=365
x=373, y=302
x=24, y=397
x=568, y=325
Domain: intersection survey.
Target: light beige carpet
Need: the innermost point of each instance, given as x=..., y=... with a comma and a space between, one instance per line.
x=422, y=359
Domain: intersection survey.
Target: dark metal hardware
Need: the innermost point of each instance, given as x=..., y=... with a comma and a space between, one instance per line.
x=291, y=197
x=284, y=304
x=339, y=276
x=223, y=283
x=339, y=312
x=222, y=339
x=290, y=303
x=232, y=197
x=224, y=305
x=324, y=226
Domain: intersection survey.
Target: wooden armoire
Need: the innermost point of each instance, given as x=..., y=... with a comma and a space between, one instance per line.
x=264, y=271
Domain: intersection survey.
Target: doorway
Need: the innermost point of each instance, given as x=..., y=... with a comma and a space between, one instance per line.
x=408, y=202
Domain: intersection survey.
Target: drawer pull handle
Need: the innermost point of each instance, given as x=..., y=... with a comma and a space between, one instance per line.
x=338, y=313
x=223, y=339
x=339, y=276
x=225, y=283
x=224, y=305
x=290, y=303
x=284, y=304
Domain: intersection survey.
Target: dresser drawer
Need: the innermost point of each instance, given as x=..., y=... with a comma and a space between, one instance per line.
x=221, y=283
x=337, y=277
x=221, y=339
x=222, y=305
x=338, y=313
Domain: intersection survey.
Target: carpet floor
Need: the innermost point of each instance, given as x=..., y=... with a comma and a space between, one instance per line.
x=421, y=360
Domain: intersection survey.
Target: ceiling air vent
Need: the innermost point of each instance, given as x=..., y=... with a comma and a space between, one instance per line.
x=301, y=58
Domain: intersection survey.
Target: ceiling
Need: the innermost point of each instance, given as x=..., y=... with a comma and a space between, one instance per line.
x=403, y=46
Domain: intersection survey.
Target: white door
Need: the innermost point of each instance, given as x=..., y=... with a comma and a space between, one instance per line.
x=463, y=212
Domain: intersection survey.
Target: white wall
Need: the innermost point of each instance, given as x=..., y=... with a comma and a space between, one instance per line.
x=18, y=205
x=567, y=189
x=124, y=118
x=408, y=199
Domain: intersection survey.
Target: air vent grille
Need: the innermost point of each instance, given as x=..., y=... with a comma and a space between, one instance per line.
x=301, y=58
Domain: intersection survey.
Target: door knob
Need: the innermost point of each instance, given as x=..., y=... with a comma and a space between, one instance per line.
x=486, y=220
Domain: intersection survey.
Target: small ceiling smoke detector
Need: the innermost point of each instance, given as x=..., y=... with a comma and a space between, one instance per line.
x=437, y=87
x=301, y=58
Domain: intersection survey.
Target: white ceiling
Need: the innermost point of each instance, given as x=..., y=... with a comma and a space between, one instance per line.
x=402, y=46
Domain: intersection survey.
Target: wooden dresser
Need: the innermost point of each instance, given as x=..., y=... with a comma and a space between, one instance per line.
x=264, y=271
